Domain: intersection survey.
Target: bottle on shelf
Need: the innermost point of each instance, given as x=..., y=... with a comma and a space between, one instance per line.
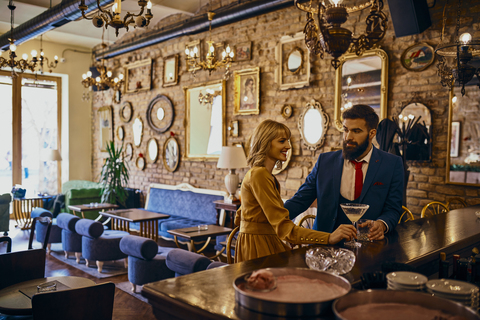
x=462, y=269
x=456, y=257
x=443, y=266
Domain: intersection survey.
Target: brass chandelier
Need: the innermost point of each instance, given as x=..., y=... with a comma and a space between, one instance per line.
x=22, y=64
x=104, y=80
x=454, y=57
x=49, y=65
x=113, y=18
x=329, y=36
x=210, y=63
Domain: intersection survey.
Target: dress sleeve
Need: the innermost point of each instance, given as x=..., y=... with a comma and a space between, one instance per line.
x=263, y=188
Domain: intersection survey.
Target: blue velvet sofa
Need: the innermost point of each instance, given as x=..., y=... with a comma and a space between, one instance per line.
x=187, y=206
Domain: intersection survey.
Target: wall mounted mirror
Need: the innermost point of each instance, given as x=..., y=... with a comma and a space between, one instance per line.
x=205, y=132
x=361, y=80
x=171, y=154
x=463, y=151
x=170, y=71
x=137, y=131
x=160, y=113
x=419, y=146
x=293, y=62
x=313, y=124
x=152, y=150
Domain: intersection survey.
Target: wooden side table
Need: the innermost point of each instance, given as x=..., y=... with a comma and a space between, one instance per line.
x=230, y=208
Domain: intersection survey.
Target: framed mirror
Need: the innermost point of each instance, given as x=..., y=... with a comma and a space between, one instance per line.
x=120, y=133
x=160, y=113
x=171, y=154
x=463, y=151
x=313, y=124
x=126, y=112
x=137, y=131
x=152, y=150
x=419, y=146
x=128, y=151
x=293, y=62
x=170, y=71
x=205, y=131
x=105, y=116
x=361, y=80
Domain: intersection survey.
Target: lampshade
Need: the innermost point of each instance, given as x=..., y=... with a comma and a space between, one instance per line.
x=232, y=158
x=51, y=155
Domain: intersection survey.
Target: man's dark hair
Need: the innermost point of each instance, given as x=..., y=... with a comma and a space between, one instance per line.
x=362, y=111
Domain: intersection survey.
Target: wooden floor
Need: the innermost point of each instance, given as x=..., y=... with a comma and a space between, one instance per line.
x=125, y=306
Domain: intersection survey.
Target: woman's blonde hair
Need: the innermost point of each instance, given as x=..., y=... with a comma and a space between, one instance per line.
x=261, y=139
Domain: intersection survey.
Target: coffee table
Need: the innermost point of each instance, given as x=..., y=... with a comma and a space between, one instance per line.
x=14, y=302
x=148, y=221
x=195, y=234
x=82, y=208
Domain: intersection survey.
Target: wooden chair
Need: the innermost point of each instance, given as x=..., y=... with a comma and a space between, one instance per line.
x=21, y=266
x=307, y=221
x=8, y=240
x=231, y=241
x=407, y=214
x=456, y=203
x=93, y=303
x=433, y=208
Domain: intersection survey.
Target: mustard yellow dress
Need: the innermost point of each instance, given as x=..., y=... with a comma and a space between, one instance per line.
x=264, y=221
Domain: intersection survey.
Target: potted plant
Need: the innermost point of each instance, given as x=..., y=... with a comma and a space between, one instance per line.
x=114, y=176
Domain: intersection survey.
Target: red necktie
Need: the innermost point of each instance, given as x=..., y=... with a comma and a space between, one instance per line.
x=358, y=178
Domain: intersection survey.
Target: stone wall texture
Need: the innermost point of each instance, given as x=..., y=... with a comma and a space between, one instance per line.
x=427, y=180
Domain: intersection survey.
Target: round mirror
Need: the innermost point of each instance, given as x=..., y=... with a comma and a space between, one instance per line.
x=171, y=154
x=313, y=124
x=160, y=113
x=152, y=149
x=137, y=131
x=295, y=60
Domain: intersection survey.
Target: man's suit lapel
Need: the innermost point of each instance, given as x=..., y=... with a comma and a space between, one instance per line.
x=373, y=166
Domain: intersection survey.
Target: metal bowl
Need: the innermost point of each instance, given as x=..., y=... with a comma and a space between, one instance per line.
x=245, y=299
x=407, y=297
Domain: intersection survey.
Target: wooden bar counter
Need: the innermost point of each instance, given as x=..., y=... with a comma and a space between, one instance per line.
x=210, y=294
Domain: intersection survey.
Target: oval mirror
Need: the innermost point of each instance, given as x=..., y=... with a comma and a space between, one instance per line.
x=313, y=124
x=152, y=149
x=171, y=154
x=137, y=131
x=295, y=61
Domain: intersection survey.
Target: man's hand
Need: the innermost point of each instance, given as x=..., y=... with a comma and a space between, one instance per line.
x=377, y=231
x=344, y=231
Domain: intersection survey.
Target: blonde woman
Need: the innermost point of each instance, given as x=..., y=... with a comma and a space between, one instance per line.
x=262, y=218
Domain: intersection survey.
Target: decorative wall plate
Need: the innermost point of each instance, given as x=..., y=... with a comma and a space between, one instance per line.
x=287, y=111
x=171, y=154
x=140, y=163
x=160, y=113
x=126, y=112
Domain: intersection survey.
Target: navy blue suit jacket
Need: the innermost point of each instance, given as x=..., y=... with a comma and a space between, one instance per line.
x=382, y=190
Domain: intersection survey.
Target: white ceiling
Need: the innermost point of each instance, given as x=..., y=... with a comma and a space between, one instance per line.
x=83, y=33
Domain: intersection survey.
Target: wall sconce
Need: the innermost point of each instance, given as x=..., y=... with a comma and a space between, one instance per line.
x=232, y=158
x=453, y=58
x=113, y=19
x=22, y=64
x=210, y=63
x=328, y=35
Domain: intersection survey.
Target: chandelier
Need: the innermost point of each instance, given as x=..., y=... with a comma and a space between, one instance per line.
x=42, y=58
x=328, y=35
x=22, y=64
x=454, y=57
x=209, y=97
x=113, y=18
x=104, y=80
x=210, y=63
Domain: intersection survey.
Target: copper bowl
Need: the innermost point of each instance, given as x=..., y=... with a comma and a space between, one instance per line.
x=406, y=297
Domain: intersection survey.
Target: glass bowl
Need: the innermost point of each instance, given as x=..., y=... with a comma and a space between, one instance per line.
x=336, y=261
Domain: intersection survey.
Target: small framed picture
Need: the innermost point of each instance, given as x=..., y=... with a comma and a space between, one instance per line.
x=247, y=92
x=138, y=76
x=234, y=129
x=243, y=51
x=455, y=143
x=418, y=57
x=170, y=71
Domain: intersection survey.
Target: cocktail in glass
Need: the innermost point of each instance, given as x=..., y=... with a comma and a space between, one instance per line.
x=354, y=211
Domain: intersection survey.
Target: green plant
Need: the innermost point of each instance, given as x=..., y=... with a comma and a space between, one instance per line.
x=114, y=176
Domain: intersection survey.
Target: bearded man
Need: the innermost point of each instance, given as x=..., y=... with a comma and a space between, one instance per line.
x=360, y=173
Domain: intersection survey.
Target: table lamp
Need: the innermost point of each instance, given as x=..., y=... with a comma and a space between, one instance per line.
x=232, y=158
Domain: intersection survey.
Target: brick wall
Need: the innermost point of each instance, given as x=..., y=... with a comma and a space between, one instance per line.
x=427, y=180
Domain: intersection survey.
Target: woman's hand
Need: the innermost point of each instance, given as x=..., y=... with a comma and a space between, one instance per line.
x=344, y=231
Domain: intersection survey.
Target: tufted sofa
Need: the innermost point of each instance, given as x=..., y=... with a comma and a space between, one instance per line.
x=187, y=206
x=81, y=192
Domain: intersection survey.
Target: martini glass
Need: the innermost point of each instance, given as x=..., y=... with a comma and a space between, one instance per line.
x=354, y=211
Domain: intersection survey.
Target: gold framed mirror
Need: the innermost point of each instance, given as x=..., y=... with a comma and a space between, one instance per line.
x=205, y=127
x=463, y=149
x=313, y=124
x=293, y=62
x=361, y=80
x=152, y=150
x=171, y=154
x=137, y=127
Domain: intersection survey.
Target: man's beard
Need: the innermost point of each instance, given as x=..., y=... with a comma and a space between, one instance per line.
x=355, y=152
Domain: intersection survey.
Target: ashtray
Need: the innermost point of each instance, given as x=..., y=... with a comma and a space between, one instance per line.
x=47, y=287
x=336, y=261
x=202, y=227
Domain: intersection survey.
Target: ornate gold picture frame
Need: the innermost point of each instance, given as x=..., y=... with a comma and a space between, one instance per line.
x=171, y=154
x=138, y=76
x=247, y=91
x=170, y=71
